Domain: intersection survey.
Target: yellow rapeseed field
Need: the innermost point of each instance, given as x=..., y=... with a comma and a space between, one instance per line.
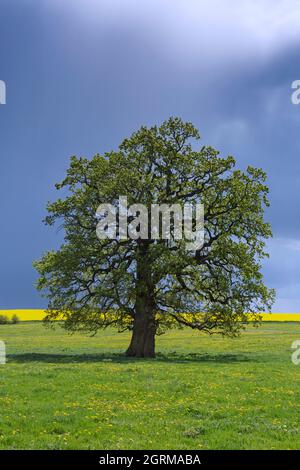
x=38, y=314
x=25, y=314
x=281, y=316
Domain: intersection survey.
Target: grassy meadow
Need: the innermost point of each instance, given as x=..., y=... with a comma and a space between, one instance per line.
x=61, y=391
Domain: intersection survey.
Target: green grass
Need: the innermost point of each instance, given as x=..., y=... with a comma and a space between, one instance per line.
x=74, y=392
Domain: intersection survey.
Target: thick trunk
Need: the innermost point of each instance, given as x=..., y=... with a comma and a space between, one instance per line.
x=143, y=338
x=144, y=328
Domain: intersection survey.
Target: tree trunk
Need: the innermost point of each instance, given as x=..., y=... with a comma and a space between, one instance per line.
x=143, y=337
x=144, y=328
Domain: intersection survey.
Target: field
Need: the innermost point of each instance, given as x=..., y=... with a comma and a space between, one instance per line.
x=39, y=314
x=75, y=392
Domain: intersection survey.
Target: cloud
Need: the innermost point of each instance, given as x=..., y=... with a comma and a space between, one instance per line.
x=194, y=31
x=98, y=69
x=287, y=304
x=282, y=272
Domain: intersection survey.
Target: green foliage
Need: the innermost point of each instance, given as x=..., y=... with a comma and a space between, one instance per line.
x=4, y=320
x=88, y=279
x=15, y=319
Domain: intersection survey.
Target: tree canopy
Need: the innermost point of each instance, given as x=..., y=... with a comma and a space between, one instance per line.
x=150, y=285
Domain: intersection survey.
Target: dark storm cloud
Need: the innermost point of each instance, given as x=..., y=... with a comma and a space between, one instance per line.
x=81, y=75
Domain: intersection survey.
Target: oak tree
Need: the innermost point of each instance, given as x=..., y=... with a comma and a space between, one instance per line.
x=149, y=285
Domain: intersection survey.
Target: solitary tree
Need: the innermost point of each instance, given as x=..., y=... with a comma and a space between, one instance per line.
x=148, y=285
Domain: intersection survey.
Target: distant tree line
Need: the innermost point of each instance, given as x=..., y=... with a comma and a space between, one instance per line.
x=4, y=320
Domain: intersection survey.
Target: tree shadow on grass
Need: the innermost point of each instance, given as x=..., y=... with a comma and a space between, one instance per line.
x=172, y=357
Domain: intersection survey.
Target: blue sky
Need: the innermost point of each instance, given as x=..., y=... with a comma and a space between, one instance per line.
x=82, y=75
